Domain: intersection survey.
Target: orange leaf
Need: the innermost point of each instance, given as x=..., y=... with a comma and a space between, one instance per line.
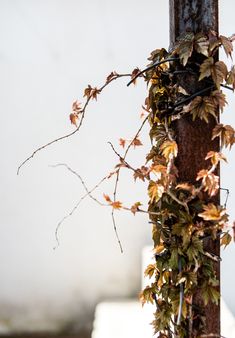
x=122, y=142
x=169, y=149
x=107, y=198
x=73, y=118
x=116, y=205
x=215, y=157
x=212, y=212
x=135, y=207
x=136, y=142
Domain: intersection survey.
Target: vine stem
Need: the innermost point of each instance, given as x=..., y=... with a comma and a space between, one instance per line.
x=82, y=112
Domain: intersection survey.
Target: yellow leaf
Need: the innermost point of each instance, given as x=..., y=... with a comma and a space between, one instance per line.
x=212, y=212
x=155, y=191
x=215, y=157
x=169, y=149
x=225, y=239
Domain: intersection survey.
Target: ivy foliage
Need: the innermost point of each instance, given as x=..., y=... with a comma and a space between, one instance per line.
x=184, y=214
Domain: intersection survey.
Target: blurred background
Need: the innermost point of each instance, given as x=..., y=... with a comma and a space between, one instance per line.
x=50, y=50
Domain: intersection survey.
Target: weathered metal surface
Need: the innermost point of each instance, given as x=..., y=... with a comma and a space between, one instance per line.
x=194, y=138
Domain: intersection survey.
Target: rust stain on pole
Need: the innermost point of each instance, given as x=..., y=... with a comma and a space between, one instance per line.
x=194, y=138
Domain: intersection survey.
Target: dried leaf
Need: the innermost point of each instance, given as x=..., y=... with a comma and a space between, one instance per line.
x=135, y=207
x=201, y=44
x=107, y=198
x=219, y=99
x=150, y=270
x=215, y=157
x=134, y=73
x=136, y=142
x=122, y=142
x=226, y=134
x=231, y=77
x=201, y=107
x=227, y=45
x=218, y=71
x=90, y=92
x=169, y=149
x=212, y=212
x=111, y=76
x=155, y=191
x=76, y=107
x=73, y=118
x=210, y=181
x=142, y=173
x=116, y=205
x=225, y=239
x=185, y=47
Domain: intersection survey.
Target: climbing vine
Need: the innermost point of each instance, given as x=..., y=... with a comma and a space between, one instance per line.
x=183, y=214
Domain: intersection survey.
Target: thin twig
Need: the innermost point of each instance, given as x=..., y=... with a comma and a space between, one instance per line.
x=76, y=206
x=82, y=112
x=81, y=180
x=116, y=232
x=118, y=171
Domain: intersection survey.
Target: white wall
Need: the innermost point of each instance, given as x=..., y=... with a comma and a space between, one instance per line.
x=49, y=51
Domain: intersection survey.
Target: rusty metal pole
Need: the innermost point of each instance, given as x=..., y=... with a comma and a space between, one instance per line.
x=194, y=138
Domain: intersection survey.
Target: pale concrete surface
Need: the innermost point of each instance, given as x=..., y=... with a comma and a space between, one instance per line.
x=127, y=318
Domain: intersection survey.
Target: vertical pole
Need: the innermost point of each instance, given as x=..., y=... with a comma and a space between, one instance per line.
x=194, y=138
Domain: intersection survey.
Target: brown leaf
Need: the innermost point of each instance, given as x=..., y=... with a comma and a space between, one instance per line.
x=122, y=142
x=111, y=76
x=201, y=107
x=219, y=99
x=73, y=118
x=141, y=173
x=227, y=45
x=134, y=73
x=76, y=107
x=218, y=71
x=185, y=48
x=87, y=91
x=231, y=77
x=136, y=142
x=90, y=92
x=201, y=44
x=226, y=134
x=135, y=207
